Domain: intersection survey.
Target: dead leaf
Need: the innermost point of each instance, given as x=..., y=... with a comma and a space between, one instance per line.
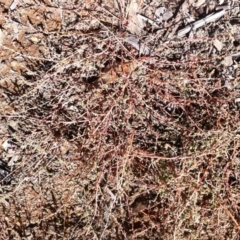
x=5, y=108
x=112, y=74
x=142, y=48
x=14, y=4
x=136, y=24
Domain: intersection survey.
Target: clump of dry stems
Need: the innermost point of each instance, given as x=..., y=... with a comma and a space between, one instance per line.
x=114, y=145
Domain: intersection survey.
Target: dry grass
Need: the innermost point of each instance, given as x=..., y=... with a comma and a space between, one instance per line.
x=112, y=145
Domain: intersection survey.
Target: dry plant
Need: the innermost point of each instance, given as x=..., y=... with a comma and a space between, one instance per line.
x=107, y=143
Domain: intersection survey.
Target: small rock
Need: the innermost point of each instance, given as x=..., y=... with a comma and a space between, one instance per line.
x=218, y=45
x=227, y=61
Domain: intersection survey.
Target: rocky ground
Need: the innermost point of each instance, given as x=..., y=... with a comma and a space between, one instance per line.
x=119, y=119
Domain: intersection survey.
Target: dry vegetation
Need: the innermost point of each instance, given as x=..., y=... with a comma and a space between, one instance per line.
x=105, y=143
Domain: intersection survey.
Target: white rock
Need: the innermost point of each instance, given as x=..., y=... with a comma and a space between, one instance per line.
x=217, y=44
